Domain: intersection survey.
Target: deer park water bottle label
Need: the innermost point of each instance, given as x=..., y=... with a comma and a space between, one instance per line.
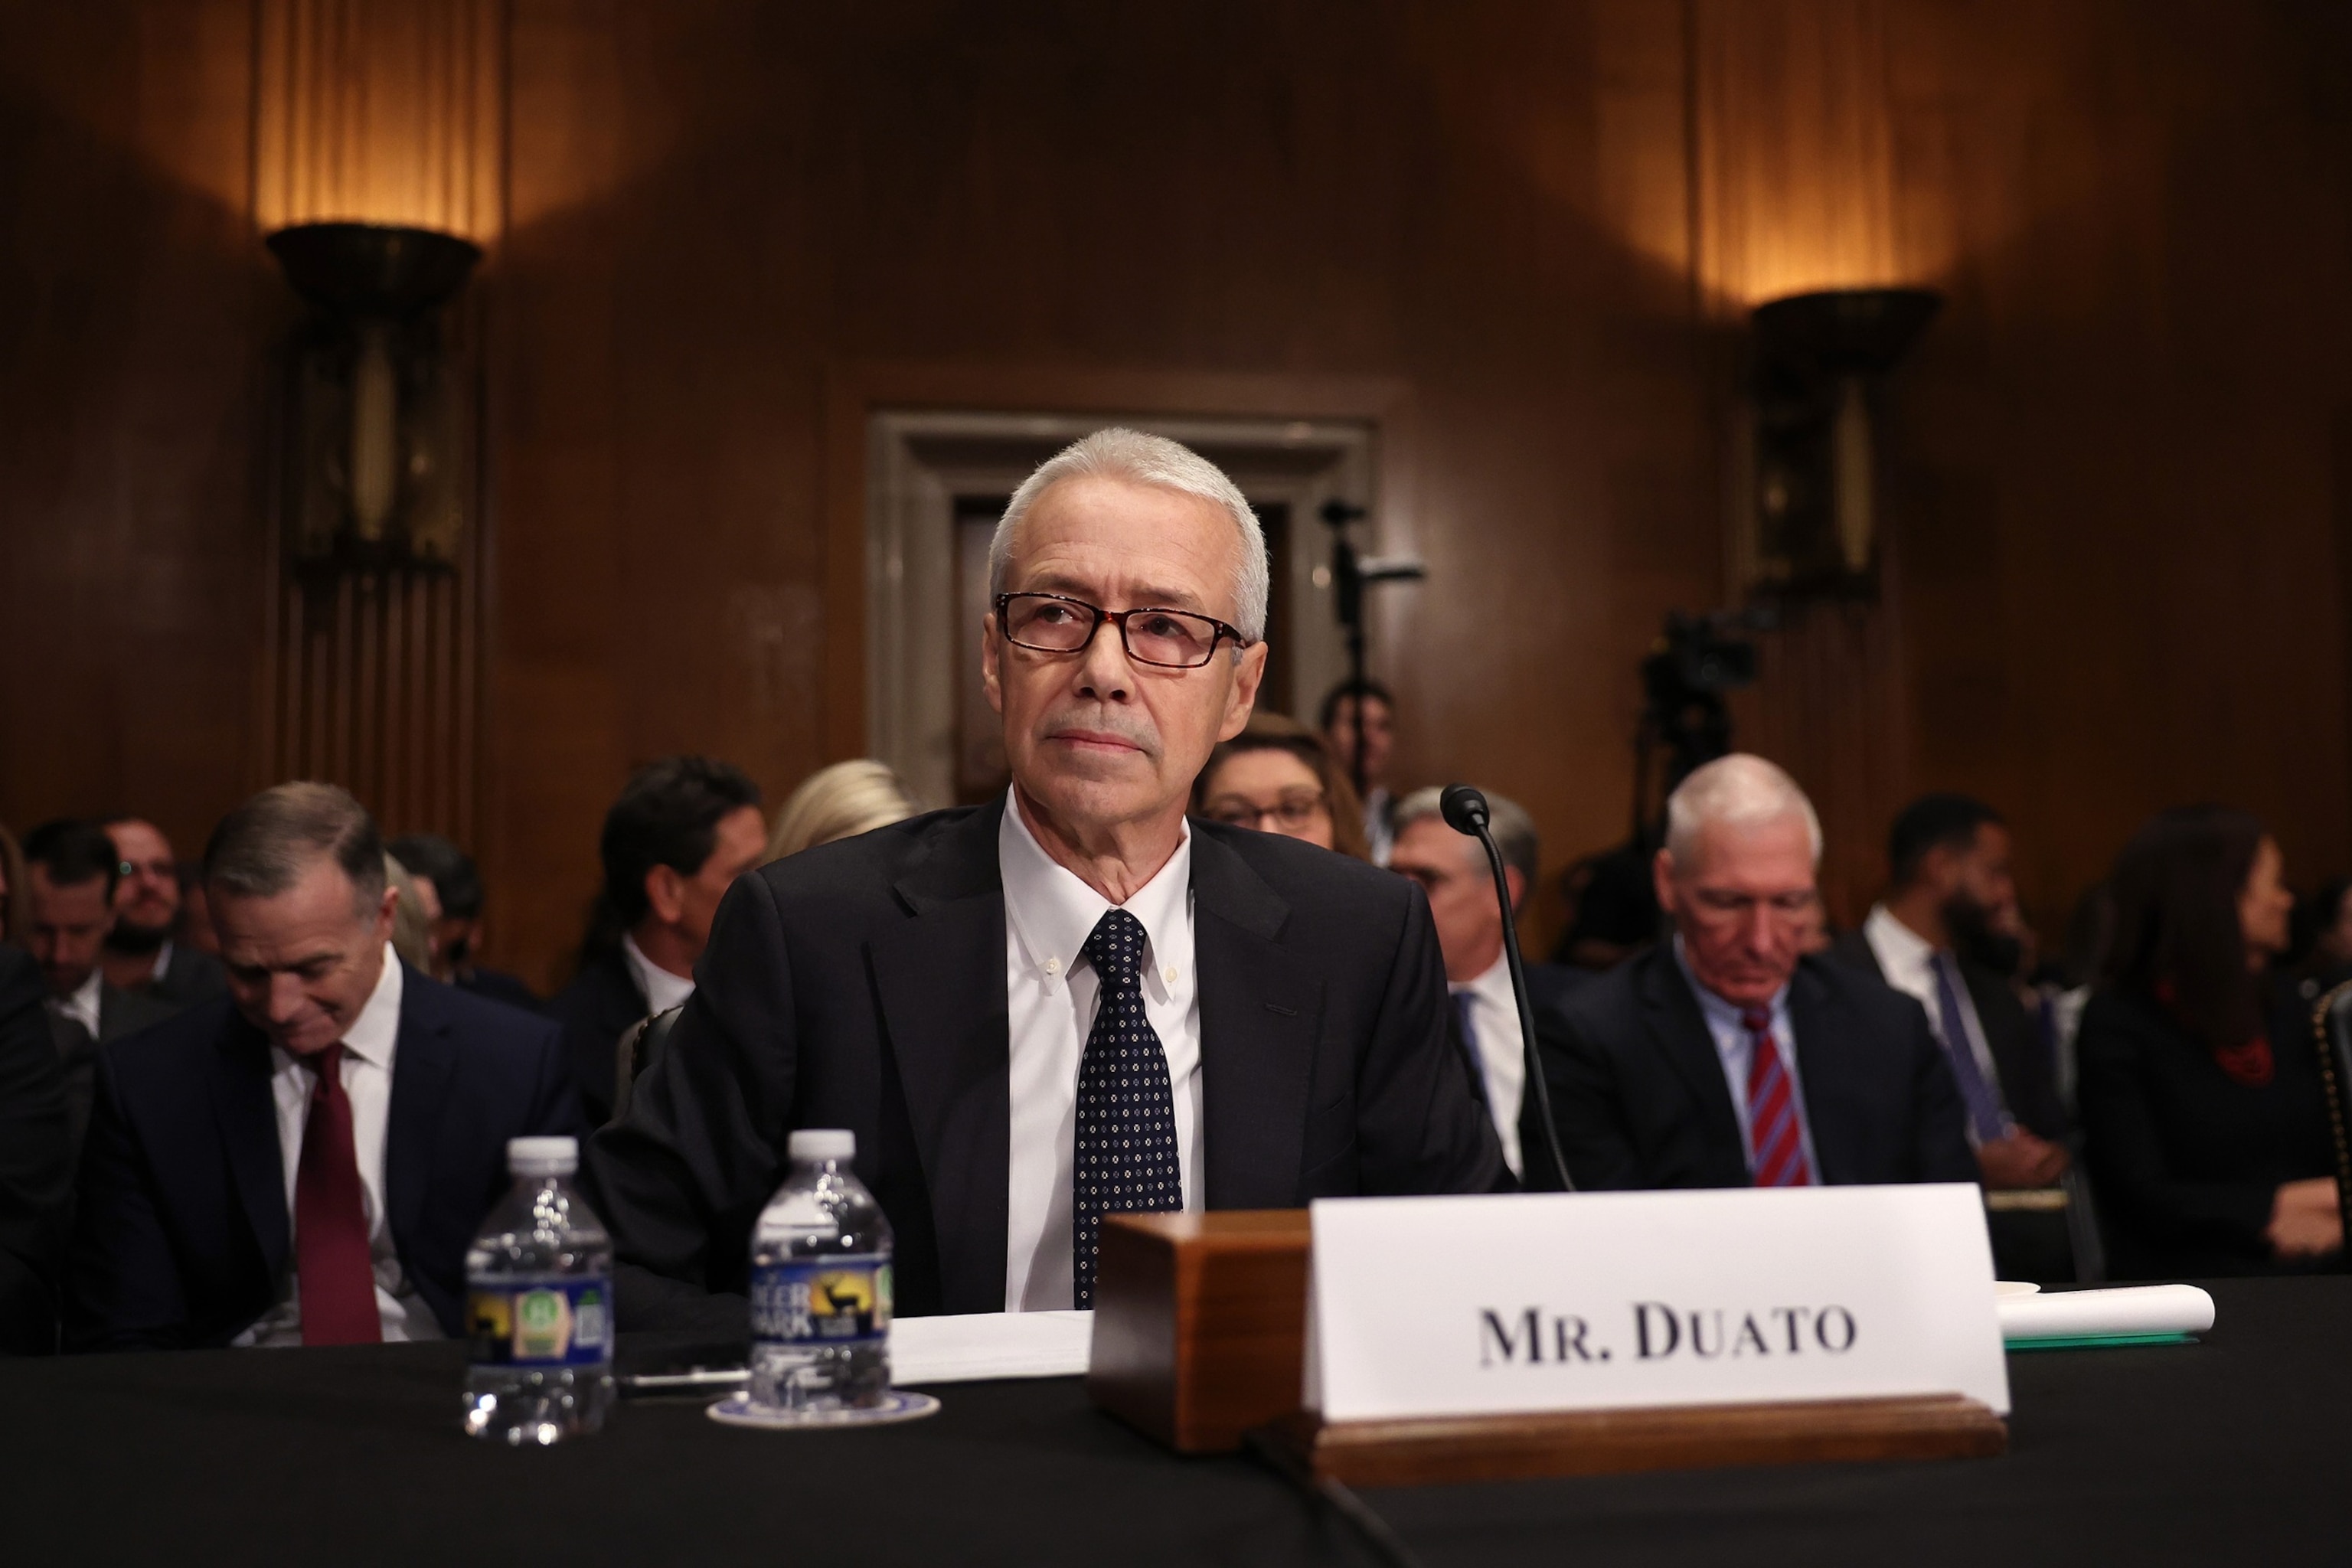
x=1475, y=1306
x=822, y=1301
x=553, y=1322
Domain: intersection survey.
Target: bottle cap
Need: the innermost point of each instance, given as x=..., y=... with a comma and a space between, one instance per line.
x=823, y=1143
x=542, y=1156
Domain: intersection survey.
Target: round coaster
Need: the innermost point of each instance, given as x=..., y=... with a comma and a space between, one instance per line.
x=737, y=1410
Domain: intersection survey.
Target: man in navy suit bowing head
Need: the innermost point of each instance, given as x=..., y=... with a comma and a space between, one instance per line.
x=304, y=1161
x=1728, y=1056
x=1070, y=1001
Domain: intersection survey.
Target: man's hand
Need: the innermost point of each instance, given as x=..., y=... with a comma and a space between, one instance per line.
x=2020, y=1160
x=2304, y=1219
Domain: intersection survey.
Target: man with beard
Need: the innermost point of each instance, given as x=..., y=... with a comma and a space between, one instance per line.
x=1942, y=936
x=144, y=952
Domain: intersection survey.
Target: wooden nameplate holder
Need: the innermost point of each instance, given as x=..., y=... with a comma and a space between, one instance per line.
x=1199, y=1338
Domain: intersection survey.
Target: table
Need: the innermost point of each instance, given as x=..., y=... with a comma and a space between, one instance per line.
x=2227, y=1451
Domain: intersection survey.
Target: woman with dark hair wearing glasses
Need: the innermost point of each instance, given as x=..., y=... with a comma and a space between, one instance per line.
x=2206, y=1129
x=1277, y=776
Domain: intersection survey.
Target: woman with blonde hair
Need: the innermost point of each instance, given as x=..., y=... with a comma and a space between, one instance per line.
x=839, y=802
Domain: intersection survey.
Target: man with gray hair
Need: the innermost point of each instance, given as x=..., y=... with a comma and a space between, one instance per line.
x=304, y=1161
x=1731, y=1058
x=1070, y=1001
x=1453, y=875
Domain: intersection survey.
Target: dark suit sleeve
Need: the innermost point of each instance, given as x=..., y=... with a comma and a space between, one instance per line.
x=1939, y=1116
x=125, y=1288
x=680, y=1180
x=34, y=1175
x=555, y=1108
x=1587, y=1104
x=2125, y=1143
x=1418, y=1128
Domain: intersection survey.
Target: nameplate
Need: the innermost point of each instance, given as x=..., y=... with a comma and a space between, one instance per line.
x=1477, y=1306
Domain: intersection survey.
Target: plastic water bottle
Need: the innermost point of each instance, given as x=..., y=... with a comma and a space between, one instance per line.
x=539, y=1285
x=821, y=1285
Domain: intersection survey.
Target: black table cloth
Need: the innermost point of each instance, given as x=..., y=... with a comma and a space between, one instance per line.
x=2227, y=1451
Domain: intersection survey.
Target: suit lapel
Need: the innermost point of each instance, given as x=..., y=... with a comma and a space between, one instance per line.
x=1821, y=1071
x=424, y=1064
x=246, y=1111
x=939, y=979
x=1259, y=1018
x=1680, y=1032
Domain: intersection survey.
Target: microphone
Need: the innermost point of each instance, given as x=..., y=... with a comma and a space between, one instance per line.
x=1464, y=810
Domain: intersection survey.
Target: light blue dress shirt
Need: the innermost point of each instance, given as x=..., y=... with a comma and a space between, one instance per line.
x=1732, y=1045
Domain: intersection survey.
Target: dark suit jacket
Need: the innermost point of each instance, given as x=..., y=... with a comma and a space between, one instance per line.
x=861, y=984
x=193, y=975
x=2185, y=1159
x=121, y=1014
x=595, y=1010
x=2019, y=1060
x=183, y=1233
x=1638, y=1085
x=35, y=1170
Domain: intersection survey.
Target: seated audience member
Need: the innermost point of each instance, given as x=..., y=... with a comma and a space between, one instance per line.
x=36, y=1161
x=2205, y=1125
x=304, y=1161
x=70, y=872
x=445, y=877
x=683, y=830
x=1938, y=938
x=144, y=952
x=15, y=913
x=1069, y=1002
x=1729, y=1058
x=839, y=802
x=1342, y=705
x=1275, y=777
x=1453, y=872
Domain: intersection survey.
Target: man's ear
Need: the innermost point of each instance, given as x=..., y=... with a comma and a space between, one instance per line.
x=1661, y=879
x=1517, y=882
x=1249, y=672
x=666, y=892
x=387, y=912
x=989, y=645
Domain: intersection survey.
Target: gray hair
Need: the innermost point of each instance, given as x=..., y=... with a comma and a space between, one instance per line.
x=262, y=847
x=1740, y=791
x=1155, y=460
x=1514, y=829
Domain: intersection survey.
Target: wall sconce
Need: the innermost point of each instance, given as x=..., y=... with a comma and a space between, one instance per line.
x=1819, y=361
x=377, y=420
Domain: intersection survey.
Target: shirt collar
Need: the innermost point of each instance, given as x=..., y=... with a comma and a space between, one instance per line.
x=375, y=1033
x=1050, y=912
x=83, y=1002
x=1718, y=1011
x=660, y=988
x=1495, y=984
x=1896, y=944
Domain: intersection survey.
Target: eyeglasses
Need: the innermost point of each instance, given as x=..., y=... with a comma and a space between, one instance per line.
x=1054, y=623
x=1299, y=809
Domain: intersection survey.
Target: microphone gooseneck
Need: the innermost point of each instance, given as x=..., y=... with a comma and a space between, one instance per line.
x=1464, y=810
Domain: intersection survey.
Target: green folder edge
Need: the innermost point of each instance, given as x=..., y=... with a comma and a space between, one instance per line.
x=2098, y=1341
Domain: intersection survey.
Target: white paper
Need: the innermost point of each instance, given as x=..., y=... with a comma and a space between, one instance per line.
x=990, y=1345
x=1463, y=1305
x=2128, y=1310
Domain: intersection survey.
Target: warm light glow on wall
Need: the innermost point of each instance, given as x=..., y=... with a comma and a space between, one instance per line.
x=383, y=112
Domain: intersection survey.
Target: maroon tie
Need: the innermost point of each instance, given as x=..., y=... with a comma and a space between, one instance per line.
x=1772, y=1130
x=332, y=1265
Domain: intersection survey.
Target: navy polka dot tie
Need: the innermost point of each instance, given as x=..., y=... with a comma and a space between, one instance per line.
x=1126, y=1115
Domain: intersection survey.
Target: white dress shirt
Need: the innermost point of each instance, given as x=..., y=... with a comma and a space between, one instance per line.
x=368, y=1049
x=1732, y=1044
x=660, y=988
x=1051, y=992
x=1502, y=1049
x=1908, y=963
x=163, y=966
x=81, y=1003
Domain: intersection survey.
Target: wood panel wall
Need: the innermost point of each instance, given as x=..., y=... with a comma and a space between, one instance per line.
x=2113, y=464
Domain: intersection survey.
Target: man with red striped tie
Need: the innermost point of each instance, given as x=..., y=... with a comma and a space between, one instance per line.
x=1729, y=1056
